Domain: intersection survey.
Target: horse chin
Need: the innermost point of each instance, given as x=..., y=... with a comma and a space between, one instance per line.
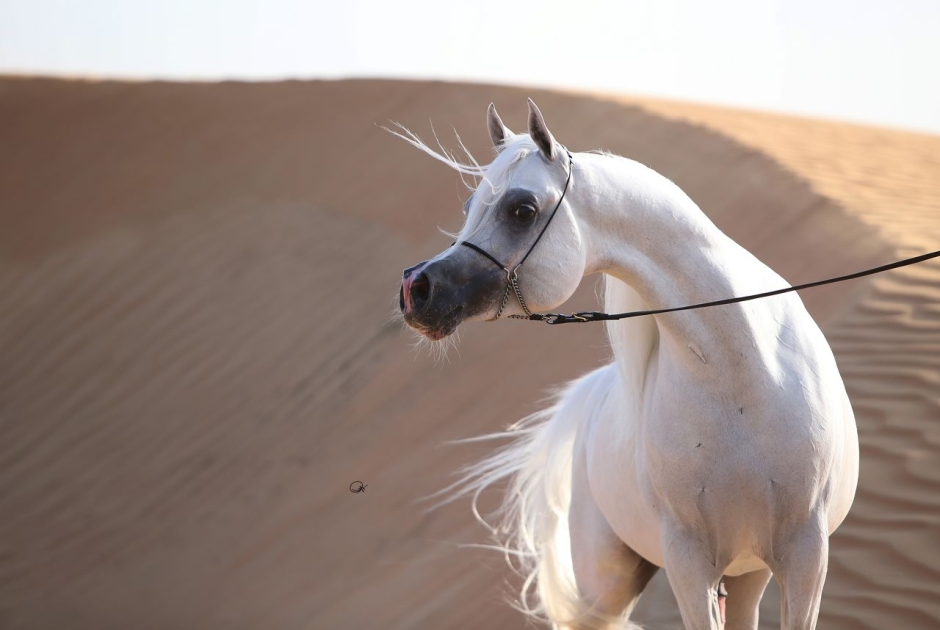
x=442, y=329
x=438, y=335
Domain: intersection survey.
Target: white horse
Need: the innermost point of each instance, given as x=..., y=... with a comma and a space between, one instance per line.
x=719, y=444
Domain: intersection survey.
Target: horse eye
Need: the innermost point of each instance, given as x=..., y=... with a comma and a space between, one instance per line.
x=524, y=212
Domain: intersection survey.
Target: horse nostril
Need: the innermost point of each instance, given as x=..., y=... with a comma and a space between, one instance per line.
x=420, y=289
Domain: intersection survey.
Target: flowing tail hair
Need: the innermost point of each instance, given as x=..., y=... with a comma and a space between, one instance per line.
x=532, y=522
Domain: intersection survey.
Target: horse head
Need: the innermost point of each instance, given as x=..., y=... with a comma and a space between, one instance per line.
x=518, y=195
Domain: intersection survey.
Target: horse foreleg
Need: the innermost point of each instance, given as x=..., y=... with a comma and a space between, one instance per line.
x=693, y=578
x=801, y=572
x=744, y=595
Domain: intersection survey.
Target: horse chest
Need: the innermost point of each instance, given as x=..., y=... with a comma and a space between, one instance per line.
x=725, y=444
x=699, y=460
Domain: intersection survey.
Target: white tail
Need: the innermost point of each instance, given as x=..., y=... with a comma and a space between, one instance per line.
x=532, y=523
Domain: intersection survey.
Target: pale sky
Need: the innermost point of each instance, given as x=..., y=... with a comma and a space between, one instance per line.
x=865, y=61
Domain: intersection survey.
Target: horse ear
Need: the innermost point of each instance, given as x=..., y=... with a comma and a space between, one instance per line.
x=499, y=133
x=540, y=133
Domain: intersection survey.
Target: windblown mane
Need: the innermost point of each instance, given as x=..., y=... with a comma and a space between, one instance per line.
x=486, y=181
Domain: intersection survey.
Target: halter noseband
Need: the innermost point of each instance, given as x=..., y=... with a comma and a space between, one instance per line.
x=512, y=278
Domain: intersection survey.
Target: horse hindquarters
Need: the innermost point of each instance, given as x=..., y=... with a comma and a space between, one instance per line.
x=540, y=505
x=586, y=578
x=609, y=575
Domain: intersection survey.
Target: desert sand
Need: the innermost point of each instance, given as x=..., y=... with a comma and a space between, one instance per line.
x=197, y=284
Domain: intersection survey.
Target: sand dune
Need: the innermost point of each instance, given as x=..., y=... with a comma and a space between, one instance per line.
x=198, y=356
x=890, y=179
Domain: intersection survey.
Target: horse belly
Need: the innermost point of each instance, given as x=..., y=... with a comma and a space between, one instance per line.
x=746, y=562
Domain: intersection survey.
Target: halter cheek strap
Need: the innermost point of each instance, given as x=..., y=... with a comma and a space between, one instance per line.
x=512, y=277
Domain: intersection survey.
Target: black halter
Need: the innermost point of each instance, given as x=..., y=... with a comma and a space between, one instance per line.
x=512, y=279
x=594, y=316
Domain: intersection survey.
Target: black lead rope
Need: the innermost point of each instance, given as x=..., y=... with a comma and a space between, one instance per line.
x=594, y=316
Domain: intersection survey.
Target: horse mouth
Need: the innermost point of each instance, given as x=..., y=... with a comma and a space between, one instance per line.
x=443, y=328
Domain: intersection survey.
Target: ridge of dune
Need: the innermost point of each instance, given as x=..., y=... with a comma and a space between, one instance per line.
x=198, y=355
x=888, y=178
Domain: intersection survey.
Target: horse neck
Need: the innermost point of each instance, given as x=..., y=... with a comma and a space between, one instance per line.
x=645, y=232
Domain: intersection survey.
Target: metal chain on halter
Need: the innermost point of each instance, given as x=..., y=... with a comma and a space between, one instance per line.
x=505, y=300
x=513, y=282
x=513, y=285
x=512, y=278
